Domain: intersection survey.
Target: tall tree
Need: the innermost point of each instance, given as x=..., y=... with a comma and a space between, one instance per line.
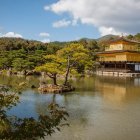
x=75, y=55
x=53, y=67
x=66, y=60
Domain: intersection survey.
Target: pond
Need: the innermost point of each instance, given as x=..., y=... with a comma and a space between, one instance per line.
x=101, y=108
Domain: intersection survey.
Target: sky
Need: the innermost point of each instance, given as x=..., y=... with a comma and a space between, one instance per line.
x=65, y=20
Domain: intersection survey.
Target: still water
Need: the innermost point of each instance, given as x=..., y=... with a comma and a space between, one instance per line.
x=101, y=108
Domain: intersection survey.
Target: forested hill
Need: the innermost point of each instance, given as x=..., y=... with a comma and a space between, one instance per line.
x=22, y=54
x=19, y=43
x=10, y=44
x=7, y=44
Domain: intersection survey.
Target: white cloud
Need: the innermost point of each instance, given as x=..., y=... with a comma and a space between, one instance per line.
x=106, y=31
x=74, y=22
x=107, y=15
x=47, y=8
x=12, y=34
x=46, y=40
x=61, y=23
x=44, y=34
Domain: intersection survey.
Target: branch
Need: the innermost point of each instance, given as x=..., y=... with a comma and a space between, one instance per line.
x=50, y=75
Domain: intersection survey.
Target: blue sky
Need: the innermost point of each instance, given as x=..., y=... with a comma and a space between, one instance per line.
x=28, y=18
x=63, y=20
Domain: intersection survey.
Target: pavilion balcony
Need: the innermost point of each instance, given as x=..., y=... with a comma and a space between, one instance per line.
x=115, y=70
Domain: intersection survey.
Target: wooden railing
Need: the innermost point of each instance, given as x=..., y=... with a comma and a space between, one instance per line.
x=114, y=70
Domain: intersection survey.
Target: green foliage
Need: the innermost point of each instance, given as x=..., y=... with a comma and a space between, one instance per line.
x=137, y=37
x=20, y=64
x=53, y=67
x=14, y=128
x=8, y=44
x=134, y=37
x=20, y=54
x=72, y=58
x=78, y=55
x=89, y=44
x=53, y=47
x=130, y=37
x=7, y=100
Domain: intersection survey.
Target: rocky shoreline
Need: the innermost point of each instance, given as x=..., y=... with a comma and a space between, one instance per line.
x=49, y=88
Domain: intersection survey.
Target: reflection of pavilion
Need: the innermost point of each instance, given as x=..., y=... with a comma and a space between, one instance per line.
x=137, y=81
x=114, y=93
x=118, y=90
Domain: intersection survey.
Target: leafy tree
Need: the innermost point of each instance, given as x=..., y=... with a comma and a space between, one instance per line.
x=92, y=45
x=137, y=37
x=19, y=64
x=53, y=47
x=75, y=55
x=53, y=67
x=66, y=60
x=130, y=37
x=83, y=42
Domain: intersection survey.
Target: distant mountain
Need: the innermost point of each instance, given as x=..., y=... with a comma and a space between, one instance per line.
x=107, y=38
x=87, y=39
x=7, y=43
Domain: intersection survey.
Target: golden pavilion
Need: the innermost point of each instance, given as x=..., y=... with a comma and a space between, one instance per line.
x=120, y=57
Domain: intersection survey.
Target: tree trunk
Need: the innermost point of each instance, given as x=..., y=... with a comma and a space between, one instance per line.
x=54, y=79
x=67, y=72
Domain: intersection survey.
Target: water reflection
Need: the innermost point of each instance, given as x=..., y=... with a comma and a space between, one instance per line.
x=14, y=128
x=101, y=108
x=118, y=90
x=113, y=90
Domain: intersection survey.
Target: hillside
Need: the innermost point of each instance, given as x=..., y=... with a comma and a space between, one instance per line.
x=107, y=38
x=18, y=43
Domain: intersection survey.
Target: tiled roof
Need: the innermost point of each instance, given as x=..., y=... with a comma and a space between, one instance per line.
x=125, y=40
x=117, y=51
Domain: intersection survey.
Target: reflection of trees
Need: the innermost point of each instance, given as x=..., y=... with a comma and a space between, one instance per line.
x=14, y=128
x=41, y=103
x=77, y=114
x=19, y=84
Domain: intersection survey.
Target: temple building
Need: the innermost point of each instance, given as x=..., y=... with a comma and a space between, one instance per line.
x=120, y=58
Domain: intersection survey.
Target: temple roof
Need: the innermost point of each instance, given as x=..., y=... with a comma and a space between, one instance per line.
x=118, y=51
x=122, y=39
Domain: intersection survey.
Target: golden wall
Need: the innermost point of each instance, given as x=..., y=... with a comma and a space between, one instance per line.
x=114, y=47
x=120, y=57
x=130, y=47
x=133, y=57
x=122, y=46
